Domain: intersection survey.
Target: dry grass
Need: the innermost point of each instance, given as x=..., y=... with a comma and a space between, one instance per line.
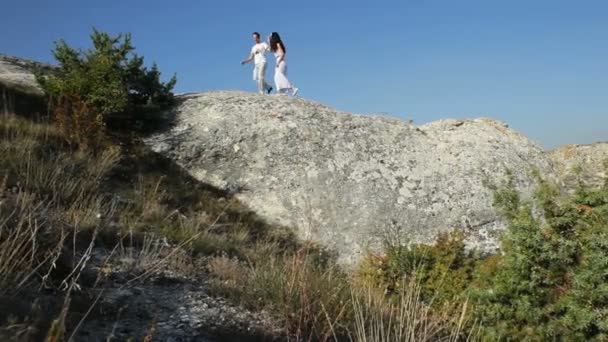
x=150, y=254
x=322, y=303
x=308, y=299
x=31, y=245
x=148, y=199
x=20, y=248
x=407, y=318
x=50, y=193
x=140, y=258
x=35, y=161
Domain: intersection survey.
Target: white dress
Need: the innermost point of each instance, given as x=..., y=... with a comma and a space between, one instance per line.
x=280, y=75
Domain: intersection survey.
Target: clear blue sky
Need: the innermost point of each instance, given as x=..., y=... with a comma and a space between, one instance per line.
x=539, y=65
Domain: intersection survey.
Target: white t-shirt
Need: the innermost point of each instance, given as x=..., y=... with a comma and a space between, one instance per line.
x=259, y=52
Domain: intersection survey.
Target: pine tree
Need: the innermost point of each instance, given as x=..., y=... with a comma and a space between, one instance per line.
x=105, y=84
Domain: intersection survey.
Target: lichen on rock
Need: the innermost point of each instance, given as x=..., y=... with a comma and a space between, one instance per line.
x=585, y=163
x=345, y=179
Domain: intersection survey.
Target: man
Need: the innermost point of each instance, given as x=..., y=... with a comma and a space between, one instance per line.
x=258, y=56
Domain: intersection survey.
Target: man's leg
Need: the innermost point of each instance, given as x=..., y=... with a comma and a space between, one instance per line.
x=260, y=78
x=264, y=87
x=256, y=77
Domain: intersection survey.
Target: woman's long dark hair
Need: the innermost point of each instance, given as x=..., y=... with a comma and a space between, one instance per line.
x=275, y=40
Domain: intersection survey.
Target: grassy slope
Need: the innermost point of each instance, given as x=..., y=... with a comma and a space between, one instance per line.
x=58, y=203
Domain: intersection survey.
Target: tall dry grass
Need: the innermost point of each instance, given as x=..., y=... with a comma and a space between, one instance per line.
x=405, y=318
x=22, y=247
x=322, y=303
x=50, y=192
x=34, y=160
x=32, y=242
x=308, y=299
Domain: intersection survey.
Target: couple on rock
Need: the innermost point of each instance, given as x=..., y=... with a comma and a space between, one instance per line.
x=258, y=56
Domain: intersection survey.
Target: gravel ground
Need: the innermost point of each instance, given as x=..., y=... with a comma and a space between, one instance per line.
x=171, y=304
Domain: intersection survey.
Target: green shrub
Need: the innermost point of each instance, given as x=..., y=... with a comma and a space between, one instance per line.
x=107, y=84
x=317, y=302
x=551, y=282
x=444, y=270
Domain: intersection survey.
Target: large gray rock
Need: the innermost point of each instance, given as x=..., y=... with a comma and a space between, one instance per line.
x=586, y=163
x=343, y=179
x=19, y=91
x=17, y=74
x=347, y=180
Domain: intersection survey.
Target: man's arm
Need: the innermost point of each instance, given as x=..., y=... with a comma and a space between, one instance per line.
x=249, y=59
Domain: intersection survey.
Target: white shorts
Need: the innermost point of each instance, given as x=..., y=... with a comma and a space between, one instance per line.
x=259, y=71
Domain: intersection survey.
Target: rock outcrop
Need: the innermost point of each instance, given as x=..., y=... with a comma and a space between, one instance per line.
x=17, y=74
x=19, y=90
x=345, y=180
x=586, y=163
x=348, y=180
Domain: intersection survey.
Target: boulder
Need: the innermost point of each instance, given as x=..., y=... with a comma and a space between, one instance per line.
x=350, y=181
x=19, y=90
x=586, y=163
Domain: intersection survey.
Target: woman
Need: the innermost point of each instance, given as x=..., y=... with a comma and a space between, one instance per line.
x=283, y=85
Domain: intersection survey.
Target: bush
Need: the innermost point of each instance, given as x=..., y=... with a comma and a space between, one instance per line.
x=444, y=270
x=551, y=282
x=548, y=283
x=107, y=84
x=317, y=302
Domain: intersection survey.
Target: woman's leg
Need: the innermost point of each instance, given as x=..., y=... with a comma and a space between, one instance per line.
x=285, y=86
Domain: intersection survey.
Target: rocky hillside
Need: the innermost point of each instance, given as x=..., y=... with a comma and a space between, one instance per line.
x=343, y=179
x=16, y=74
x=349, y=180
x=581, y=162
x=19, y=91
